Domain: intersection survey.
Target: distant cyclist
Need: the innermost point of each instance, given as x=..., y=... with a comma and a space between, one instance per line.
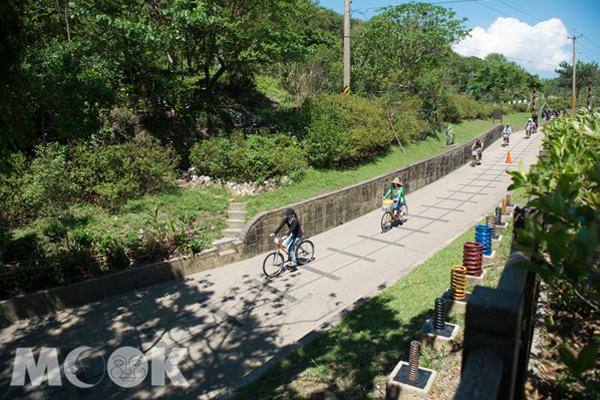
x=529, y=127
x=293, y=236
x=506, y=134
x=478, y=145
x=398, y=197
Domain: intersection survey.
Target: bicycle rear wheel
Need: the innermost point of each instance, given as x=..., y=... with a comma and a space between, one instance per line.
x=273, y=264
x=305, y=251
x=386, y=221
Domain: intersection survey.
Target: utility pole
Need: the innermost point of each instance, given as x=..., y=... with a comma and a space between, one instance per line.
x=574, y=65
x=347, y=46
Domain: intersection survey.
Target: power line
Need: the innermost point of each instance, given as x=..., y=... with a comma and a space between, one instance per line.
x=512, y=38
x=536, y=18
x=586, y=38
x=363, y=11
x=593, y=52
x=510, y=58
x=483, y=5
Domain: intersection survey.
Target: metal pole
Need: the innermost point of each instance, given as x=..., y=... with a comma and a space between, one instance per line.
x=574, y=66
x=347, y=46
x=590, y=96
x=533, y=102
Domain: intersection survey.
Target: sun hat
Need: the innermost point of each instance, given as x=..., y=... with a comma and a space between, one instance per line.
x=397, y=181
x=290, y=211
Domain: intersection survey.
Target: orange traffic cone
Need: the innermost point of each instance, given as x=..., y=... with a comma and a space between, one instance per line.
x=508, y=160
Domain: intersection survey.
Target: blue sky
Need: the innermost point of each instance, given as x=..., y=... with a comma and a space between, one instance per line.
x=532, y=33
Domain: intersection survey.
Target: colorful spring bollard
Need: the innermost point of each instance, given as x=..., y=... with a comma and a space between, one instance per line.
x=413, y=361
x=483, y=235
x=473, y=257
x=490, y=220
x=439, y=319
x=458, y=282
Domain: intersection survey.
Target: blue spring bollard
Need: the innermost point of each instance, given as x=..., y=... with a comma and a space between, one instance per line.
x=483, y=235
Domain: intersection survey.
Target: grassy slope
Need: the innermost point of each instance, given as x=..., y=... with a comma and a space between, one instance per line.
x=315, y=181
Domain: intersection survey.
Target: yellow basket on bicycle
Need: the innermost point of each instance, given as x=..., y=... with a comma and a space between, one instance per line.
x=386, y=205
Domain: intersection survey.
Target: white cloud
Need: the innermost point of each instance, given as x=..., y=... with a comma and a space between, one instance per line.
x=546, y=44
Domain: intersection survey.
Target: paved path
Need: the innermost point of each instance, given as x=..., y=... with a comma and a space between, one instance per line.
x=232, y=320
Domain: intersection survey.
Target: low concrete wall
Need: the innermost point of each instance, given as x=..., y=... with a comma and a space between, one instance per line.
x=327, y=211
x=317, y=215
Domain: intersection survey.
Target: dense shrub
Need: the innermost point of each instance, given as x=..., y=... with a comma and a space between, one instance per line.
x=254, y=157
x=407, y=119
x=564, y=244
x=111, y=174
x=58, y=176
x=558, y=103
x=343, y=130
x=456, y=107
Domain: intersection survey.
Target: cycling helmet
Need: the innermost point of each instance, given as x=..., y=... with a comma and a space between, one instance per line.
x=290, y=211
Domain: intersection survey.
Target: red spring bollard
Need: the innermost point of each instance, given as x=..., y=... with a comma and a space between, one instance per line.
x=473, y=257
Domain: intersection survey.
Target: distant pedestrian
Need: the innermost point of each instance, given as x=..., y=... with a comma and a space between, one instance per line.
x=449, y=135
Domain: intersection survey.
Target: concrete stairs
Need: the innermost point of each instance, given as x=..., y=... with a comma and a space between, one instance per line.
x=235, y=224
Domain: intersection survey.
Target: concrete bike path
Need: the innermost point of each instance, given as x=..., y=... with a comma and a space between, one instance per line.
x=233, y=320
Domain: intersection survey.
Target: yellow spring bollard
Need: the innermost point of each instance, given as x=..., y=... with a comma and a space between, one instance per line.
x=458, y=282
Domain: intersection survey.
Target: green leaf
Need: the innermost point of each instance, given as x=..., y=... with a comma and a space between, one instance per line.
x=568, y=359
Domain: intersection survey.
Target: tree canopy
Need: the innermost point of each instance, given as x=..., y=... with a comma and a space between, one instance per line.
x=500, y=80
x=401, y=42
x=585, y=73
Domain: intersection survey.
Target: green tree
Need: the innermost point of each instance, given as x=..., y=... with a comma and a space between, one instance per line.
x=396, y=46
x=501, y=80
x=585, y=72
x=14, y=127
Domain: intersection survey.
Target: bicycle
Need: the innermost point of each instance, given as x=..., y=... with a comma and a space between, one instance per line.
x=273, y=264
x=506, y=139
x=389, y=216
x=528, y=130
x=476, y=157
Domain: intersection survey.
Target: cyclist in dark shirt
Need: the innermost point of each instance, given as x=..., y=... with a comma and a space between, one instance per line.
x=478, y=145
x=293, y=236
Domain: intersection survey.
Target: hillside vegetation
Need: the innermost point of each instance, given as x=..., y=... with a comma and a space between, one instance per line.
x=106, y=103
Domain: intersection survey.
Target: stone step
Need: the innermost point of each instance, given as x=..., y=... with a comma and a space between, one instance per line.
x=225, y=243
x=231, y=233
x=235, y=214
x=237, y=206
x=236, y=223
x=227, y=253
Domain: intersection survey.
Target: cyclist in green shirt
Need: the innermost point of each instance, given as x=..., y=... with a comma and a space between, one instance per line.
x=397, y=196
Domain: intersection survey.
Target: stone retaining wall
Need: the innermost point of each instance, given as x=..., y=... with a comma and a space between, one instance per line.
x=317, y=215
x=327, y=211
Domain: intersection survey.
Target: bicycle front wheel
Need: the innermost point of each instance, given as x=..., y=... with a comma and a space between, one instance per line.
x=404, y=208
x=273, y=264
x=386, y=221
x=305, y=251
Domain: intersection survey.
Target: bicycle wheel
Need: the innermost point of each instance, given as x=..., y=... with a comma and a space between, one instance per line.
x=305, y=251
x=273, y=264
x=386, y=221
x=404, y=208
